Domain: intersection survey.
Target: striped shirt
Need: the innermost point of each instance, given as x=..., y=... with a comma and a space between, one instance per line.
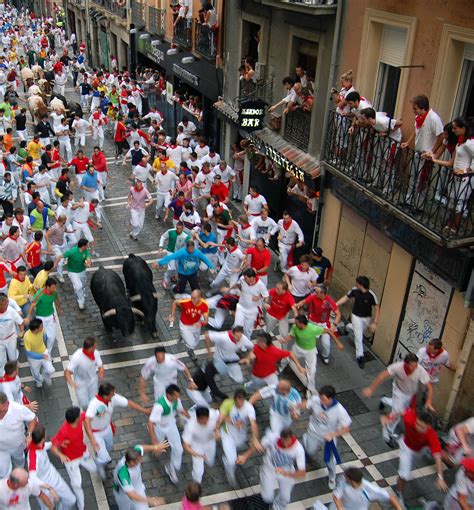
x=282, y=404
x=8, y=191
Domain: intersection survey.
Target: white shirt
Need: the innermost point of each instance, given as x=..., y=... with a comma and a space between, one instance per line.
x=200, y=436
x=233, y=259
x=205, y=181
x=175, y=154
x=363, y=103
x=80, y=126
x=212, y=160
x=189, y=129
x=83, y=368
x=64, y=211
x=425, y=137
x=165, y=182
x=301, y=280
x=292, y=234
x=255, y=204
x=12, y=426
x=18, y=499
x=201, y=151
x=210, y=209
x=166, y=372
x=407, y=384
x=227, y=349
x=56, y=117
x=159, y=419
x=81, y=214
x=433, y=365
x=248, y=292
x=462, y=485
x=464, y=155
x=247, y=234
x=8, y=322
x=242, y=416
x=361, y=497
x=264, y=228
x=323, y=421
x=12, y=390
x=101, y=413
x=226, y=174
x=382, y=123
x=285, y=458
x=141, y=172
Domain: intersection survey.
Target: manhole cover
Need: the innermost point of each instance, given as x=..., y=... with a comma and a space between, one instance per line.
x=352, y=403
x=250, y=503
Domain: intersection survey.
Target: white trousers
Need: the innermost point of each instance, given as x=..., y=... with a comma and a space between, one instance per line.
x=171, y=433
x=86, y=390
x=98, y=135
x=278, y=421
x=79, y=282
x=41, y=370
x=407, y=456
x=256, y=383
x=284, y=250
x=160, y=385
x=66, y=497
x=232, y=370
x=200, y=398
x=57, y=251
x=223, y=275
x=230, y=448
x=10, y=459
x=310, y=360
x=207, y=449
x=82, y=229
x=163, y=199
x=271, y=323
x=190, y=334
x=8, y=351
x=73, y=469
x=80, y=140
x=50, y=329
x=399, y=403
x=359, y=324
x=137, y=219
x=103, y=178
x=313, y=444
x=65, y=149
x=271, y=482
x=246, y=318
x=105, y=440
x=125, y=503
x=324, y=341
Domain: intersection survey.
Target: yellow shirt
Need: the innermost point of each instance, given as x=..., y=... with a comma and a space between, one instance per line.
x=157, y=164
x=40, y=280
x=34, y=341
x=17, y=290
x=34, y=149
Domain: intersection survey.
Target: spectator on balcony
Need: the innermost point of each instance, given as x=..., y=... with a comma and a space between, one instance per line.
x=339, y=98
x=356, y=103
x=301, y=76
x=185, y=13
x=460, y=183
x=296, y=102
x=428, y=137
x=248, y=70
x=288, y=84
x=307, y=99
x=210, y=16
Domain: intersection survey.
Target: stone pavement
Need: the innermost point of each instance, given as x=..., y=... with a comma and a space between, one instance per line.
x=124, y=357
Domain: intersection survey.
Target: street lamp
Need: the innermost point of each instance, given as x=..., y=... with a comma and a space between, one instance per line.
x=132, y=61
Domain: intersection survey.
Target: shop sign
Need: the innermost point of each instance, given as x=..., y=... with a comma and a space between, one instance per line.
x=251, y=115
x=156, y=54
x=288, y=166
x=169, y=92
x=186, y=75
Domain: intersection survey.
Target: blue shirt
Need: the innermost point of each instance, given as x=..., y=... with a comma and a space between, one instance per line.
x=211, y=238
x=85, y=89
x=188, y=263
x=90, y=181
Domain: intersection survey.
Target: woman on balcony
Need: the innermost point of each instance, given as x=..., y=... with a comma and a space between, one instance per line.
x=460, y=185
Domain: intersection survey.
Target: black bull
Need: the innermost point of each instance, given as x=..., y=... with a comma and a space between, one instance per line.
x=116, y=311
x=139, y=281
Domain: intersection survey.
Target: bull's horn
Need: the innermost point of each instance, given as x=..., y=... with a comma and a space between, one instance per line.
x=136, y=297
x=109, y=313
x=138, y=312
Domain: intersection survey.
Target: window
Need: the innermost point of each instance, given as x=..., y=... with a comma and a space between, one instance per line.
x=304, y=54
x=464, y=105
x=251, y=41
x=386, y=90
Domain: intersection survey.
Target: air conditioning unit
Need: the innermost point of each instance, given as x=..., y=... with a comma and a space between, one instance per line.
x=187, y=60
x=260, y=70
x=156, y=42
x=144, y=36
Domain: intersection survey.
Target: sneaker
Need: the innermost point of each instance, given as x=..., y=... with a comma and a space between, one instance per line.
x=39, y=385
x=60, y=278
x=81, y=306
x=332, y=483
x=349, y=328
x=361, y=362
x=171, y=472
x=326, y=361
x=165, y=284
x=96, y=254
x=157, y=217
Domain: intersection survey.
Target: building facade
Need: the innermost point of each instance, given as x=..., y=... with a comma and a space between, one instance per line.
x=388, y=213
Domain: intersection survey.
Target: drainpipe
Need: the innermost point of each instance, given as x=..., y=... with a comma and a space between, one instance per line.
x=461, y=368
x=332, y=69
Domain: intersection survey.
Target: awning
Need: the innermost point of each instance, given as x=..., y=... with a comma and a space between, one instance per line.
x=201, y=75
x=227, y=110
x=281, y=152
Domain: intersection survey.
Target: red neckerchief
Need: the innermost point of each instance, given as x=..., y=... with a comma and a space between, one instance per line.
x=33, y=446
x=280, y=444
x=420, y=119
x=45, y=291
x=286, y=226
x=462, y=139
x=100, y=399
x=407, y=370
x=255, y=283
x=436, y=355
x=90, y=355
x=136, y=189
x=11, y=237
x=232, y=337
x=233, y=249
x=299, y=266
x=7, y=378
x=244, y=226
x=17, y=278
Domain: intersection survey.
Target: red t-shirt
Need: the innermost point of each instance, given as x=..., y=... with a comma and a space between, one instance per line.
x=414, y=439
x=220, y=191
x=33, y=254
x=190, y=313
x=260, y=259
x=319, y=310
x=120, y=132
x=99, y=162
x=3, y=268
x=266, y=360
x=280, y=304
x=80, y=164
x=76, y=447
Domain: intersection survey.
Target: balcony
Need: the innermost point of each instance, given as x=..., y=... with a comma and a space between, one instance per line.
x=182, y=34
x=312, y=7
x=119, y=9
x=138, y=14
x=205, y=41
x=297, y=128
x=156, y=21
x=431, y=199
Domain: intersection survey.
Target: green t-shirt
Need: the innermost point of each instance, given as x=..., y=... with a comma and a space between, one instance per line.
x=44, y=305
x=75, y=259
x=306, y=338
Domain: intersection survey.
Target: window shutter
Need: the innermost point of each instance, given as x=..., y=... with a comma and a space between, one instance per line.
x=469, y=51
x=392, y=50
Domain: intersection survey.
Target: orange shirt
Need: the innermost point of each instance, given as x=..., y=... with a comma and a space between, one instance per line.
x=7, y=142
x=191, y=314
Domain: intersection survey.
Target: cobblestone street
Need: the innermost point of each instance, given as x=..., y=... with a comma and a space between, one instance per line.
x=124, y=357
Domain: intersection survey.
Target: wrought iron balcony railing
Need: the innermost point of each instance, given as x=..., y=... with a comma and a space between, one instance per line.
x=435, y=199
x=182, y=34
x=156, y=21
x=297, y=128
x=117, y=8
x=205, y=41
x=138, y=13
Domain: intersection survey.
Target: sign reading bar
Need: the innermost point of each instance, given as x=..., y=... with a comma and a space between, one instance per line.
x=287, y=165
x=186, y=75
x=251, y=115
